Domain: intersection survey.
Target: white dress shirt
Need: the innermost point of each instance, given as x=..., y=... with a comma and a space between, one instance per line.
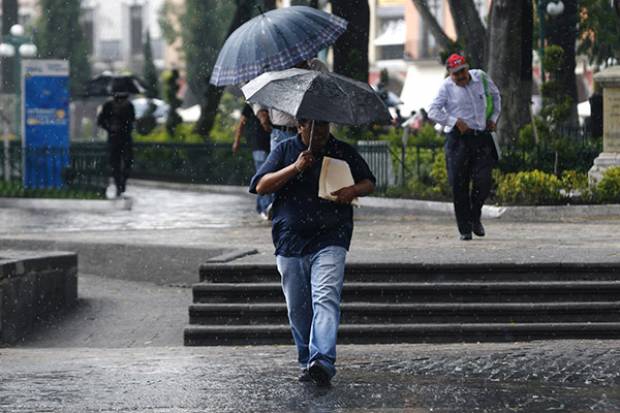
x=465, y=102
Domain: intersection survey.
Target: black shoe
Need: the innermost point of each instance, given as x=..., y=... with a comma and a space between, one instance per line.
x=466, y=237
x=305, y=376
x=319, y=374
x=478, y=229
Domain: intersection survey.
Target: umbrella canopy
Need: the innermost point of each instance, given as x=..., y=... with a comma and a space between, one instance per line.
x=276, y=40
x=108, y=84
x=309, y=94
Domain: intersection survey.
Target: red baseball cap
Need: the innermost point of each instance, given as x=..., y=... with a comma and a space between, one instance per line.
x=456, y=62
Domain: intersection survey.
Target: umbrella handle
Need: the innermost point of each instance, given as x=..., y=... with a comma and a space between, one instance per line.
x=311, y=136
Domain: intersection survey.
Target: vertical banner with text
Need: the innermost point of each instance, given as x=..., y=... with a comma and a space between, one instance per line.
x=45, y=122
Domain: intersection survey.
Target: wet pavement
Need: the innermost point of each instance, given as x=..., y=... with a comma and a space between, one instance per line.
x=152, y=209
x=535, y=377
x=120, y=349
x=186, y=218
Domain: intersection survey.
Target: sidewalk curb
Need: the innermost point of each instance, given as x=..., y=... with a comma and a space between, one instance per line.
x=68, y=204
x=218, y=189
x=512, y=213
x=232, y=255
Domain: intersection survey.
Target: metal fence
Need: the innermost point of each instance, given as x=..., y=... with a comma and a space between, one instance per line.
x=211, y=163
x=379, y=158
x=82, y=167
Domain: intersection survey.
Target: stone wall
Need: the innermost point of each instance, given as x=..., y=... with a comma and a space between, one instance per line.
x=34, y=285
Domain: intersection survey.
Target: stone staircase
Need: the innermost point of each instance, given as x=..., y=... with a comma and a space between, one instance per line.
x=398, y=303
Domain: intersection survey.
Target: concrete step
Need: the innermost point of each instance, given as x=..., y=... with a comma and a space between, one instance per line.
x=399, y=292
x=415, y=272
x=195, y=335
x=380, y=313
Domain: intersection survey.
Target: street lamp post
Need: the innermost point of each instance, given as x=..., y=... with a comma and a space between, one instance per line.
x=16, y=45
x=553, y=9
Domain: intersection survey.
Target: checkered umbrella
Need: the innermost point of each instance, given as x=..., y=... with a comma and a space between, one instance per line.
x=276, y=40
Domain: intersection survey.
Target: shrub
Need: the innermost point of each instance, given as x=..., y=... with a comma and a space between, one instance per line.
x=608, y=188
x=439, y=175
x=529, y=188
x=574, y=181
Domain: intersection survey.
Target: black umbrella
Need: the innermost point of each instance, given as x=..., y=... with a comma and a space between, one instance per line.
x=320, y=96
x=108, y=85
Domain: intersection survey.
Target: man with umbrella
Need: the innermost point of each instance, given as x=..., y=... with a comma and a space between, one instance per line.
x=117, y=117
x=311, y=234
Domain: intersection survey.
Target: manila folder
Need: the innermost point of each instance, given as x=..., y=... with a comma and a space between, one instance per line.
x=335, y=174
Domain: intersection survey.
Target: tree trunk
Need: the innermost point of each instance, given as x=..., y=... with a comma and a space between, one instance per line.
x=430, y=20
x=351, y=48
x=562, y=31
x=213, y=94
x=510, y=65
x=471, y=32
x=9, y=18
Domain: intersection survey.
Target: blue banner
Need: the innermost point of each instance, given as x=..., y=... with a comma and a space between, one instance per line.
x=45, y=122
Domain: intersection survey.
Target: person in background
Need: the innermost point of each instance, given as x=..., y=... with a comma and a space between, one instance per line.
x=117, y=118
x=259, y=139
x=468, y=106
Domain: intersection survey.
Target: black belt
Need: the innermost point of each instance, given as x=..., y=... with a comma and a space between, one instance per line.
x=476, y=132
x=285, y=128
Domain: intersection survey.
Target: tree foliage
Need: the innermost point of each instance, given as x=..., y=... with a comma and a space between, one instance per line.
x=599, y=31
x=9, y=18
x=471, y=33
x=351, y=48
x=504, y=49
x=59, y=36
x=171, y=91
x=149, y=71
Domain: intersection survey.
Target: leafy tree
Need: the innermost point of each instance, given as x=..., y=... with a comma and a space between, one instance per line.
x=59, y=36
x=351, y=48
x=472, y=36
x=171, y=91
x=9, y=18
x=205, y=27
x=562, y=31
x=149, y=71
x=504, y=49
x=599, y=31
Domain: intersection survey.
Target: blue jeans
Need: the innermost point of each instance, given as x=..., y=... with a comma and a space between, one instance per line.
x=312, y=286
x=262, y=201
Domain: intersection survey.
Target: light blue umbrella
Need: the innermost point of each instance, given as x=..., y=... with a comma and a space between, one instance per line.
x=276, y=40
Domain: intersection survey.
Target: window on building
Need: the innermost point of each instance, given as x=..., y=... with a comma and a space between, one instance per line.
x=88, y=28
x=110, y=50
x=428, y=46
x=157, y=46
x=135, y=29
x=391, y=41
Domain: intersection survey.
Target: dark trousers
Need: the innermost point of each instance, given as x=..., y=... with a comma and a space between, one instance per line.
x=469, y=159
x=121, y=159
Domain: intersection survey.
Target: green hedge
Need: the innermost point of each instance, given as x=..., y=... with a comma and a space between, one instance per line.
x=15, y=189
x=608, y=188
